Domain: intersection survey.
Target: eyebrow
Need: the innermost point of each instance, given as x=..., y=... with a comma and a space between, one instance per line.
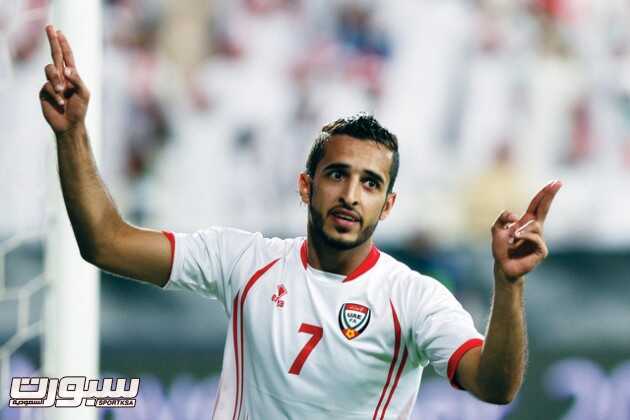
x=345, y=166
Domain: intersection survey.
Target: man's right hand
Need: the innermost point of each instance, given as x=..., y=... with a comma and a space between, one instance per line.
x=103, y=237
x=64, y=97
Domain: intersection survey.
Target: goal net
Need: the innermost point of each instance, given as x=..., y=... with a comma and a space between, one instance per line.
x=21, y=305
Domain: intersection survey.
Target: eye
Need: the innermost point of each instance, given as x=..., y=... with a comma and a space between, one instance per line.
x=371, y=184
x=336, y=175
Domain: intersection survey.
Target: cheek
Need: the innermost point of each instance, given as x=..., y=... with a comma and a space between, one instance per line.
x=375, y=207
x=317, y=202
x=320, y=196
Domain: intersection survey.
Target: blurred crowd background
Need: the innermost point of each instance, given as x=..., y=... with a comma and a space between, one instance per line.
x=210, y=108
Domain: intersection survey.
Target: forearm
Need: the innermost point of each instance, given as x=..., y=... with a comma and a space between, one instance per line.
x=91, y=210
x=503, y=359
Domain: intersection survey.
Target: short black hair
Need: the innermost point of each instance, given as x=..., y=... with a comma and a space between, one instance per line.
x=361, y=126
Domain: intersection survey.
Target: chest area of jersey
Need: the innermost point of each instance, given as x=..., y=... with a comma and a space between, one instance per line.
x=301, y=330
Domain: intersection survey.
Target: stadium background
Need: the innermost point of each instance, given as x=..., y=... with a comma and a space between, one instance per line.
x=209, y=109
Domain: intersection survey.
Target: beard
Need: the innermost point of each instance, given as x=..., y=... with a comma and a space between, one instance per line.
x=317, y=232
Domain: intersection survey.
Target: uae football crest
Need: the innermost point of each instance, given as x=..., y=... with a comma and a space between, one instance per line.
x=353, y=319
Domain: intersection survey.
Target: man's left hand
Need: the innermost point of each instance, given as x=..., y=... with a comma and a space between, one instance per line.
x=517, y=243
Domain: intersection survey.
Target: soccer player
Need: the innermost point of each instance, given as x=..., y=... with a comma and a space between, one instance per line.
x=322, y=327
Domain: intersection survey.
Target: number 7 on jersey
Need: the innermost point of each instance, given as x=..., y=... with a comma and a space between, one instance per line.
x=317, y=333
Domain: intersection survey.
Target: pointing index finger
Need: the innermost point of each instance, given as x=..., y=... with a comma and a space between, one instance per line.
x=533, y=205
x=550, y=192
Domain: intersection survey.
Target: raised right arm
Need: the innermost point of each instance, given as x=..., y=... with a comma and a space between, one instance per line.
x=103, y=237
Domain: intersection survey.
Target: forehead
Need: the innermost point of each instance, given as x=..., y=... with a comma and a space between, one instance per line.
x=358, y=154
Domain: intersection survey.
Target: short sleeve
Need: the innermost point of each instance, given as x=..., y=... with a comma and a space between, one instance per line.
x=443, y=330
x=214, y=262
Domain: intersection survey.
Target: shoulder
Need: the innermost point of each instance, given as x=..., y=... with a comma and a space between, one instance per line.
x=229, y=239
x=399, y=275
x=408, y=288
x=228, y=250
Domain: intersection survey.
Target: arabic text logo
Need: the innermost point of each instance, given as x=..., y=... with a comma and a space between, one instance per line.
x=71, y=391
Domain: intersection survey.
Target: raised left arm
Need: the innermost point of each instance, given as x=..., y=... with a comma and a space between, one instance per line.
x=495, y=372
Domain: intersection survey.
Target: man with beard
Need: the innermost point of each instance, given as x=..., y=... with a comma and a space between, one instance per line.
x=320, y=327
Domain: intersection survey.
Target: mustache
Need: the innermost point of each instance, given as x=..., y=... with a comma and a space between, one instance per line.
x=347, y=209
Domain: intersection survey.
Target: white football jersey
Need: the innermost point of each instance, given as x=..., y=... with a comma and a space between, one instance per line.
x=306, y=344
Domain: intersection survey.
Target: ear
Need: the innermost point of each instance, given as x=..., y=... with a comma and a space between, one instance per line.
x=387, y=207
x=304, y=187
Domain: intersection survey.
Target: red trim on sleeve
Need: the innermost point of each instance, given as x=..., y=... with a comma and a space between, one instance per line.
x=171, y=239
x=456, y=357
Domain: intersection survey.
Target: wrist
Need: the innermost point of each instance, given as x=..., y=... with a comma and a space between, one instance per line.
x=72, y=132
x=502, y=279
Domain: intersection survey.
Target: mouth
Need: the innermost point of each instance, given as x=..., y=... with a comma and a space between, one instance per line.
x=345, y=218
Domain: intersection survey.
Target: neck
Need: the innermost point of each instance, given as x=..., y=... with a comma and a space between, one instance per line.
x=324, y=257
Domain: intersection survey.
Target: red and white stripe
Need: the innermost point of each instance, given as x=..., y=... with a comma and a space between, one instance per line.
x=396, y=365
x=239, y=347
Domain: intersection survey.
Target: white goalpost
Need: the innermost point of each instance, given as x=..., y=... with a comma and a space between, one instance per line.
x=69, y=324
x=71, y=315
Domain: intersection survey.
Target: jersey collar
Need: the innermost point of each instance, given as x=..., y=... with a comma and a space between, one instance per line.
x=369, y=261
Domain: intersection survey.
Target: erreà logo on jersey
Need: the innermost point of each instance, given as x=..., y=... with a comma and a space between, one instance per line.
x=282, y=291
x=353, y=319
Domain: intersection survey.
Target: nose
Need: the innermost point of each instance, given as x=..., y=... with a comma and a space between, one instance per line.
x=351, y=192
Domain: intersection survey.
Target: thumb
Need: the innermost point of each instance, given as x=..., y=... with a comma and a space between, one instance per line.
x=504, y=221
x=73, y=77
x=521, y=223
